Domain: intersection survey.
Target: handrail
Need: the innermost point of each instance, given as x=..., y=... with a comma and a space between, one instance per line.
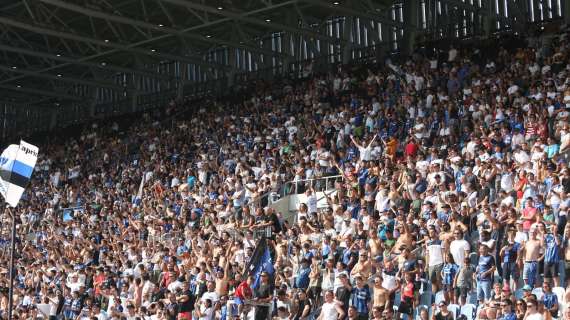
x=312, y=182
x=286, y=188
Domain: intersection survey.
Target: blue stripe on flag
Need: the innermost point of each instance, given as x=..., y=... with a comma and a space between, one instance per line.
x=22, y=169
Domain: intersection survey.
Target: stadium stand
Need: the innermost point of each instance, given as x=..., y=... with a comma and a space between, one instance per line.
x=450, y=195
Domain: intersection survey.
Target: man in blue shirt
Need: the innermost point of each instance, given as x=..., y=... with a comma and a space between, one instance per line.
x=549, y=299
x=551, y=255
x=507, y=312
x=509, y=254
x=361, y=298
x=302, y=279
x=485, y=270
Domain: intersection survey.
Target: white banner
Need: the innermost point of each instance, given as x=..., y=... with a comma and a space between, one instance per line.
x=17, y=163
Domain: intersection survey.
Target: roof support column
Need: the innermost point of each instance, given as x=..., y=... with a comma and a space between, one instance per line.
x=290, y=51
x=137, y=79
x=566, y=11
x=231, y=74
x=346, y=35
x=180, y=82
x=411, y=8
x=490, y=18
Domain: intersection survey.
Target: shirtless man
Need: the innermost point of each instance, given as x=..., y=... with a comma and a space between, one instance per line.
x=446, y=236
x=531, y=254
x=222, y=277
x=381, y=297
x=404, y=240
x=363, y=267
x=455, y=223
x=375, y=245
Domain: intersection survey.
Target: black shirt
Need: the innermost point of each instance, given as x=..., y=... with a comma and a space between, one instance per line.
x=343, y=295
x=187, y=306
x=440, y=316
x=275, y=223
x=264, y=291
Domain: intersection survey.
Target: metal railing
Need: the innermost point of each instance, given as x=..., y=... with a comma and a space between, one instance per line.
x=295, y=187
x=318, y=184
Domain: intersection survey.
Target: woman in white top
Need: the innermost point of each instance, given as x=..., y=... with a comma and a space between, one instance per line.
x=331, y=309
x=532, y=312
x=205, y=311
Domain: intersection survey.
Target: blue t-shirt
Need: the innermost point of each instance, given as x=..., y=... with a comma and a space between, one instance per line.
x=485, y=264
x=511, y=254
x=551, y=252
x=360, y=299
x=449, y=271
x=549, y=300
x=552, y=150
x=191, y=181
x=508, y=316
x=302, y=279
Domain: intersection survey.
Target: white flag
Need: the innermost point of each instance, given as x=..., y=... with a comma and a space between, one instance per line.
x=16, y=166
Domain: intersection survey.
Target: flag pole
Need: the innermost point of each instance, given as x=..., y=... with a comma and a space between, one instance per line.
x=11, y=268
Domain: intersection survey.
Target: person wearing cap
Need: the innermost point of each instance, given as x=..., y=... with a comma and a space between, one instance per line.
x=344, y=291
x=263, y=295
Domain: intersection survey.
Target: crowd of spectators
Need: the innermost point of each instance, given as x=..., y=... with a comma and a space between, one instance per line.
x=453, y=192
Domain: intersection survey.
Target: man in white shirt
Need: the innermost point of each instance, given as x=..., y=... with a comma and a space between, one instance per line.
x=434, y=257
x=73, y=282
x=459, y=247
x=211, y=293
x=452, y=54
x=311, y=200
x=382, y=200
x=365, y=151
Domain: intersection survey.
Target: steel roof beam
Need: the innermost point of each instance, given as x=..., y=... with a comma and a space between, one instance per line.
x=110, y=67
x=62, y=78
x=43, y=92
x=357, y=13
x=241, y=17
x=102, y=43
x=133, y=22
x=485, y=11
x=83, y=60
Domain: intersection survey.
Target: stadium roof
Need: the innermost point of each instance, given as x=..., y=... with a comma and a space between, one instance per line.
x=49, y=47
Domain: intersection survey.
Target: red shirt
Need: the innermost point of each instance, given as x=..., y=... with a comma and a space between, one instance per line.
x=97, y=282
x=408, y=291
x=411, y=149
x=528, y=212
x=243, y=291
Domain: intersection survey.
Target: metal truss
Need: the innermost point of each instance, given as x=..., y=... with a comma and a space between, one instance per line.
x=86, y=42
